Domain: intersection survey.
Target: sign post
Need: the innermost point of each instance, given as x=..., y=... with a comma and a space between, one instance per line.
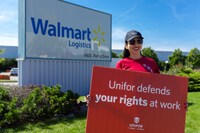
x=136, y=102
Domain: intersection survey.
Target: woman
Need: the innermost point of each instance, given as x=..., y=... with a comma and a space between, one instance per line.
x=132, y=58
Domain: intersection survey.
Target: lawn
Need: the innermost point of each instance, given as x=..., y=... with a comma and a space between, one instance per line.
x=57, y=125
x=193, y=113
x=77, y=124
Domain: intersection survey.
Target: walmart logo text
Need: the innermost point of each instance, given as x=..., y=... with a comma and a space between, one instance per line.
x=43, y=27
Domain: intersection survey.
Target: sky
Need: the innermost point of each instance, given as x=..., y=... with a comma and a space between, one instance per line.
x=166, y=25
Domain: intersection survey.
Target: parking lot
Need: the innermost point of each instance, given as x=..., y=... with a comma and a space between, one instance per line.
x=14, y=78
x=9, y=82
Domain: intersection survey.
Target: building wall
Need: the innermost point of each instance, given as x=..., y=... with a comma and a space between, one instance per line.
x=162, y=55
x=70, y=74
x=9, y=52
x=114, y=61
x=12, y=52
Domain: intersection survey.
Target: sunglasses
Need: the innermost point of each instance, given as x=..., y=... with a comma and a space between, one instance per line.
x=133, y=41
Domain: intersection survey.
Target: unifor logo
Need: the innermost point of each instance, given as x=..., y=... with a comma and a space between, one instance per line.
x=99, y=35
x=136, y=124
x=136, y=119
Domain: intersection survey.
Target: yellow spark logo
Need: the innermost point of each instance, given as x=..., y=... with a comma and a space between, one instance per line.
x=99, y=36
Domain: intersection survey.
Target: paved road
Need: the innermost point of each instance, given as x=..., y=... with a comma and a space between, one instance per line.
x=9, y=83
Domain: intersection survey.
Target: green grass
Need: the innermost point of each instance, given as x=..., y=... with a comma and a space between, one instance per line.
x=78, y=123
x=193, y=113
x=7, y=80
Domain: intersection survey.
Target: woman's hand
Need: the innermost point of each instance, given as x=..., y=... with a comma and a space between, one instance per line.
x=88, y=99
x=186, y=105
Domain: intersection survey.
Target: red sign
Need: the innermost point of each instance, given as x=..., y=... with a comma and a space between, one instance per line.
x=136, y=102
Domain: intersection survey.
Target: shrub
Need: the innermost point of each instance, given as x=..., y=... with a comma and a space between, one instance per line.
x=194, y=76
x=47, y=101
x=6, y=63
x=33, y=105
x=194, y=81
x=19, y=104
x=9, y=113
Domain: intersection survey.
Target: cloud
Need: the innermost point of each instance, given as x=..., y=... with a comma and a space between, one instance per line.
x=180, y=9
x=2, y=17
x=118, y=35
x=168, y=45
x=8, y=16
x=176, y=14
x=9, y=41
x=9, y=10
x=128, y=11
x=9, y=23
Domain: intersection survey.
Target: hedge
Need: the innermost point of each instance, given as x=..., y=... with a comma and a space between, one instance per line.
x=33, y=103
x=194, y=76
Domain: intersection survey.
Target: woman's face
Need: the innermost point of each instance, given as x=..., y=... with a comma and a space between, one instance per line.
x=134, y=46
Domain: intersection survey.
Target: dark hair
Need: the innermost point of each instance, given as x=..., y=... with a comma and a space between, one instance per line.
x=125, y=52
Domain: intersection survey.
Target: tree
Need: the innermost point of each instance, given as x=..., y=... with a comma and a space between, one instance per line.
x=6, y=63
x=1, y=59
x=148, y=52
x=120, y=56
x=193, y=58
x=177, y=58
x=114, y=55
x=1, y=51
